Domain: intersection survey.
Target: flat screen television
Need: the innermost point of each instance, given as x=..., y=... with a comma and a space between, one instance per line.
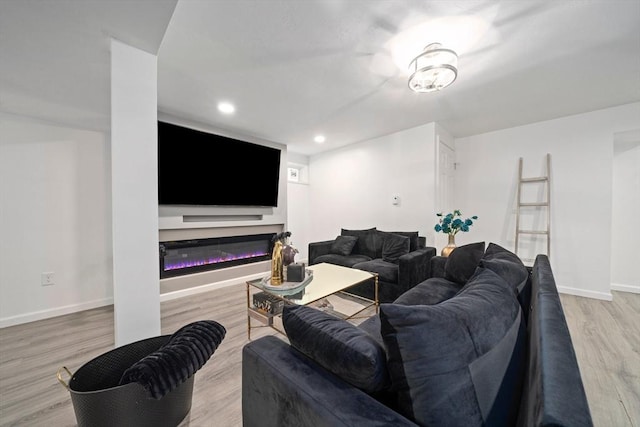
x=197, y=168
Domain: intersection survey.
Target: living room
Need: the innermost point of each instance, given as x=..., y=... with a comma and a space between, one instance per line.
x=57, y=177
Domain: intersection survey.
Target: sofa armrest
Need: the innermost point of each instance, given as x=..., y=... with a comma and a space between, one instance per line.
x=282, y=387
x=318, y=248
x=413, y=267
x=436, y=266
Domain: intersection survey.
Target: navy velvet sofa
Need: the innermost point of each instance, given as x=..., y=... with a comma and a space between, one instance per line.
x=400, y=258
x=478, y=357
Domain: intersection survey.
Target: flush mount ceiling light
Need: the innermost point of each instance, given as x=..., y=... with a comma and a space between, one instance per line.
x=435, y=68
x=319, y=139
x=226, y=108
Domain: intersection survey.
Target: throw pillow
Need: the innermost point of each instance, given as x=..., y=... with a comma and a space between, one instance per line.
x=414, y=240
x=511, y=268
x=367, y=241
x=186, y=351
x=394, y=246
x=462, y=262
x=343, y=245
x=338, y=346
x=460, y=362
x=506, y=264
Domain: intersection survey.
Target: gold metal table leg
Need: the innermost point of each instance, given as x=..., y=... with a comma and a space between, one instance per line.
x=248, y=316
x=375, y=286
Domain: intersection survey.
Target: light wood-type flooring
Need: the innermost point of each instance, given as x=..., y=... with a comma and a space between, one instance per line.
x=606, y=337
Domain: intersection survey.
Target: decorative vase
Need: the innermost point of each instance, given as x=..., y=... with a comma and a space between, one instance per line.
x=276, y=264
x=446, y=251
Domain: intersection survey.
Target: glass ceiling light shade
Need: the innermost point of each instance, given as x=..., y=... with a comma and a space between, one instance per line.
x=435, y=68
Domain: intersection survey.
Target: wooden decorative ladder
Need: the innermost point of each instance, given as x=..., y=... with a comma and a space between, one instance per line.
x=546, y=180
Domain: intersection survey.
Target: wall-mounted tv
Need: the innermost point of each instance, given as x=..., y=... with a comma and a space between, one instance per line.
x=198, y=168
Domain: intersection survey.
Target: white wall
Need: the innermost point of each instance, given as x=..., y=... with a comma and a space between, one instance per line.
x=581, y=148
x=54, y=217
x=352, y=187
x=625, y=235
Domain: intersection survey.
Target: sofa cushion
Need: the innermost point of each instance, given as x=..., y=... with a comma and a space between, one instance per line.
x=343, y=245
x=387, y=271
x=394, y=246
x=414, y=240
x=506, y=264
x=462, y=262
x=338, y=346
x=345, y=261
x=460, y=362
x=367, y=241
x=429, y=292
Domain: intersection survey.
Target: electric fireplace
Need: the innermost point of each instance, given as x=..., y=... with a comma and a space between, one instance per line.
x=182, y=257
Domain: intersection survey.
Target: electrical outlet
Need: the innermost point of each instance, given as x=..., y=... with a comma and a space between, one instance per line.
x=46, y=279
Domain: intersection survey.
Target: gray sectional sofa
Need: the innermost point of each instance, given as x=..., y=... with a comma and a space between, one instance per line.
x=400, y=258
x=492, y=351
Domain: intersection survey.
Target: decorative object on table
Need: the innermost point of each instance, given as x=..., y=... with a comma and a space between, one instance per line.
x=451, y=224
x=283, y=255
x=287, y=288
x=276, y=264
x=145, y=383
x=288, y=255
x=295, y=272
x=268, y=303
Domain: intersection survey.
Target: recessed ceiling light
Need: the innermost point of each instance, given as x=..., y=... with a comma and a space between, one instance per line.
x=226, y=108
x=319, y=139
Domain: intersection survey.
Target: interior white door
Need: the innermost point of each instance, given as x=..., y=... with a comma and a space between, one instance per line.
x=444, y=184
x=446, y=170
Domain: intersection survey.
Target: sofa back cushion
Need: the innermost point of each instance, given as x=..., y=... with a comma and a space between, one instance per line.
x=460, y=362
x=337, y=345
x=462, y=262
x=508, y=265
x=343, y=245
x=368, y=243
x=394, y=246
x=414, y=239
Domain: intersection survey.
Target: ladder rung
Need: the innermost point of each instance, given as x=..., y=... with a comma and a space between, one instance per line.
x=532, y=232
x=534, y=204
x=536, y=179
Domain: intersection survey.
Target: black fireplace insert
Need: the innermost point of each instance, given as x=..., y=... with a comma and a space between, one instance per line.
x=197, y=255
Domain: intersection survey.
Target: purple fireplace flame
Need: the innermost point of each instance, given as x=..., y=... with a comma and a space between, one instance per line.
x=193, y=256
x=230, y=257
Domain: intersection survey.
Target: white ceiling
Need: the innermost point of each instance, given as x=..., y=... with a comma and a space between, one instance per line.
x=295, y=69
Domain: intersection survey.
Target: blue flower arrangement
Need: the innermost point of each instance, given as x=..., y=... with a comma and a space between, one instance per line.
x=452, y=223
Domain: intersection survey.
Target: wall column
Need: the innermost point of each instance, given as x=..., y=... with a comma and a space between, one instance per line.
x=134, y=193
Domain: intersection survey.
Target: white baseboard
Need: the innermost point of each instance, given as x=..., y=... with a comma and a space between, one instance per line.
x=53, y=312
x=68, y=309
x=208, y=287
x=583, y=293
x=625, y=288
